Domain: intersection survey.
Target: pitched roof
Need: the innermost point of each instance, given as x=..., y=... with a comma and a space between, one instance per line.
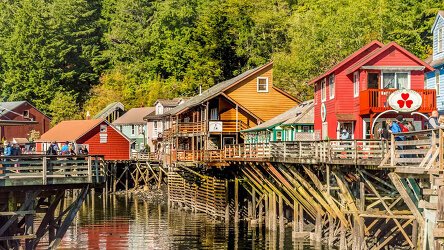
x=434, y=63
x=301, y=114
x=379, y=51
x=215, y=90
x=69, y=130
x=109, y=109
x=440, y=13
x=169, y=102
x=347, y=59
x=134, y=116
x=6, y=107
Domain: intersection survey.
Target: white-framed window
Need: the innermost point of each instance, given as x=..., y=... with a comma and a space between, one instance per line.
x=356, y=84
x=437, y=82
x=133, y=129
x=213, y=114
x=395, y=80
x=331, y=86
x=26, y=113
x=155, y=125
x=103, y=128
x=262, y=84
x=440, y=39
x=323, y=91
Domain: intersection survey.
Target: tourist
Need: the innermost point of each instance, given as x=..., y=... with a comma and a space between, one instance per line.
x=384, y=133
x=71, y=150
x=52, y=149
x=7, y=152
x=433, y=120
x=345, y=135
x=83, y=150
x=65, y=149
x=393, y=128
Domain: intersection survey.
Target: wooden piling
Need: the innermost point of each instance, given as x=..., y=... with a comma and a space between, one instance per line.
x=281, y=215
x=236, y=199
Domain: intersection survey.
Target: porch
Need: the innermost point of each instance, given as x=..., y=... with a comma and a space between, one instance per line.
x=376, y=100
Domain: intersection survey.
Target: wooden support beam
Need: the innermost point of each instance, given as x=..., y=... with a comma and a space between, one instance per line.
x=281, y=215
x=236, y=200
x=391, y=234
x=406, y=198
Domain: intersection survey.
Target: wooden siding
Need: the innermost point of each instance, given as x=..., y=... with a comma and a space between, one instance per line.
x=10, y=132
x=264, y=105
x=344, y=101
x=439, y=24
x=117, y=146
x=228, y=113
x=431, y=84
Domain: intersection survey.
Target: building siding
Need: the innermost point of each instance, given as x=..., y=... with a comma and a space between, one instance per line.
x=10, y=132
x=117, y=146
x=264, y=105
x=439, y=24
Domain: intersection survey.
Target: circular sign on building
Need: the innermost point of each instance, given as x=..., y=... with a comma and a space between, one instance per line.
x=405, y=100
x=323, y=112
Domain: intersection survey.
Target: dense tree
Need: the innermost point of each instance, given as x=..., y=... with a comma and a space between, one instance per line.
x=135, y=51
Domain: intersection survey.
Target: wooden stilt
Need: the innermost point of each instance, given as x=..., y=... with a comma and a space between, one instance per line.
x=318, y=228
x=236, y=200
x=281, y=215
x=301, y=219
x=253, y=200
x=295, y=217
x=267, y=211
x=331, y=231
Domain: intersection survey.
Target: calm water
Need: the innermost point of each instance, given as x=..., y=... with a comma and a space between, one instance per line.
x=126, y=223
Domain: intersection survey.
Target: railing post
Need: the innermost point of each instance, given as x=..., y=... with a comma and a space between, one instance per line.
x=392, y=151
x=44, y=169
x=356, y=151
x=89, y=170
x=96, y=168
x=300, y=149
x=441, y=140
x=285, y=151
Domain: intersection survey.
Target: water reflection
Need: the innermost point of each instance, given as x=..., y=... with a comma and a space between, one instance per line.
x=128, y=223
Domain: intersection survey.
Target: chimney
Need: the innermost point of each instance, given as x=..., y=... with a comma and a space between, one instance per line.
x=88, y=116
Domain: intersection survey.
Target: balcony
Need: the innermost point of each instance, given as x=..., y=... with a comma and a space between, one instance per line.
x=195, y=128
x=376, y=100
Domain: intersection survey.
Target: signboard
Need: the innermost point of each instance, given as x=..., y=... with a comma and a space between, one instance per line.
x=215, y=126
x=405, y=100
x=323, y=112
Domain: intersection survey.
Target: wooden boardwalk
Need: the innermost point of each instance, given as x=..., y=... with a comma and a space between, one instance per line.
x=31, y=184
x=354, y=194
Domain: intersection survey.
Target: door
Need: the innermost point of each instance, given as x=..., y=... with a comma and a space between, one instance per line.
x=373, y=83
x=324, y=131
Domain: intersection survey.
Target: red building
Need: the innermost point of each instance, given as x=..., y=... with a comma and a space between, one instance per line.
x=22, y=111
x=98, y=135
x=355, y=91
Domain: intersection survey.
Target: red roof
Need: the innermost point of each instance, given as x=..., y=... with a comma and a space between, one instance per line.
x=346, y=60
x=69, y=130
x=377, y=52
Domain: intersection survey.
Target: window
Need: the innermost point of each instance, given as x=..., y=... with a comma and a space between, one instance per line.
x=262, y=84
x=213, y=114
x=440, y=38
x=356, y=84
x=305, y=129
x=103, y=128
x=155, y=124
x=133, y=129
x=395, y=80
x=331, y=86
x=323, y=91
x=278, y=135
x=437, y=82
x=26, y=113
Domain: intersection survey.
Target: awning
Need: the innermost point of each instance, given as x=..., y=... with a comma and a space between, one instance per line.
x=345, y=117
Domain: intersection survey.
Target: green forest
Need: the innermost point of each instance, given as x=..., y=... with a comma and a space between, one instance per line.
x=72, y=56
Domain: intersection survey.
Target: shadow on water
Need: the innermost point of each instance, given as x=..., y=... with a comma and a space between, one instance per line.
x=130, y=223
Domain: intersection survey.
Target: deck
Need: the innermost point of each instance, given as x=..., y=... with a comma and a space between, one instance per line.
x=43, y=170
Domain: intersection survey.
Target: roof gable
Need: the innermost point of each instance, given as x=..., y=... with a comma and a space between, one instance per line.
x=134, y=116
x=370, y=46
x=70, y=130
x=109, y=109
x=438, y=16
x=384, y=49
x=216, y=90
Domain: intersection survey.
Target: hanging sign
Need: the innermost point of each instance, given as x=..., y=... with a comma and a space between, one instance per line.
x=405, y=100
x=215, y=126
x=323, y=112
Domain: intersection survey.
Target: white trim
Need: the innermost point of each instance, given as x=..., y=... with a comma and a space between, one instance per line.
x=409, y=84
x=356, y=79
x=332, y=90
x=323, y=90
x=257, y=84
x=437, y=82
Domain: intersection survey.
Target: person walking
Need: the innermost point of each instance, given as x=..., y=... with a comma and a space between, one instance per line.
x=433, y=120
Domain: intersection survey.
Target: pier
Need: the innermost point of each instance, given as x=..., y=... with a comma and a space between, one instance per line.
x=35, y=186
x=353, y=194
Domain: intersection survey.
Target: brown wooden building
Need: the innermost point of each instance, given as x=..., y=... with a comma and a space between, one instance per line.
x=199, y=128
x=22, y=111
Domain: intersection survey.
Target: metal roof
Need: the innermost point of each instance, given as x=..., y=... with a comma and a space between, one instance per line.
x=301, y=114
x=109, y=109
x=6, y=107
x=134, y=116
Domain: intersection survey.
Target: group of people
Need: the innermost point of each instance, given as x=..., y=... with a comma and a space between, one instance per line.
x=397, y=125
x=67, y=149
x=9, y=149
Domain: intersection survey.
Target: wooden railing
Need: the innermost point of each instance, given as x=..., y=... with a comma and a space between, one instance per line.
x=376, y=100
x=49, y=170
x=144, y=156
x=231, y=126
x=416, y=152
